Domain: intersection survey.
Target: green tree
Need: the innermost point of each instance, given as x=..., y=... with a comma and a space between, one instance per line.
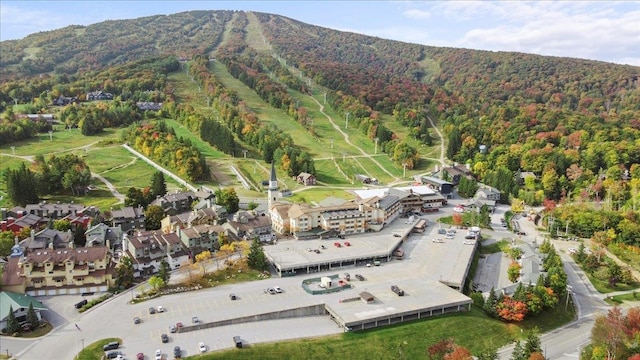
x=257, y=259
x=6, y=243
x=32, y=317
x=124, y=273
x=156, y=283
x=12, y=323
x=513, y=272
x=491, y=303
x=228, y=198
x=158, y=184
x=153, y=217
x=20, y=184
x=62, y=225
x=165, y=270
x=533, y=344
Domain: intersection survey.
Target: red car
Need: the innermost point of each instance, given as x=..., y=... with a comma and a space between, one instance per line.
x=179, y=325
x=346, y=243
x=140, y=356
x=337, y=244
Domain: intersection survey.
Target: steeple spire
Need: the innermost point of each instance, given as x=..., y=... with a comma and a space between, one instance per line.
x=273, y=180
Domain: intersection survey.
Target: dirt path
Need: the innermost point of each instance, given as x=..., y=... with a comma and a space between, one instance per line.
x=346, y=139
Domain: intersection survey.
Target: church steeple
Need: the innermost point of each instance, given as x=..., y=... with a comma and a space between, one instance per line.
x=273, y=186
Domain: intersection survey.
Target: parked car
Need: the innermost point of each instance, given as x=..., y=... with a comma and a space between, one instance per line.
x=359, y=277
x=233, y=297
x=179, y=325
x=337, y=244
x=160, y=308
x=152, y=310
x=177, y=353
x=322, y=247
x=346, y=243
x=111, y=346
x=442, y=231
x=202, y=347
x=195, y=320
x=271, y=291
x=136, y=320
x=158, y=354
x=113, y=354
x=82, y=303
x=277, y=289
x=340, y=236
x=397, y=235
x=316, y=251
x=140, y=356
x=172, y=328
x=438, y=241
x=164, y=338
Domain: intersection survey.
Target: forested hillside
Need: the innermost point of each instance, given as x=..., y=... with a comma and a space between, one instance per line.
x=574, y=124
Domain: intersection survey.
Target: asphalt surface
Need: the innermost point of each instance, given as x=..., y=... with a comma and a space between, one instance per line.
x=114, y=318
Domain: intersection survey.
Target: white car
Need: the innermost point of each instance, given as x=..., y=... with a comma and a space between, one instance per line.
x=438, y=241
x=458, y=209
x=277, y=289
x=158, y=354
x=160, y=308
x=202, y=347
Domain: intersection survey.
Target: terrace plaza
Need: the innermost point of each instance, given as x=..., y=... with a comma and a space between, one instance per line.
x=431, y=274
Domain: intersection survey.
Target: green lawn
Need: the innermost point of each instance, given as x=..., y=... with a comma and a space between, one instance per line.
x=473, y=330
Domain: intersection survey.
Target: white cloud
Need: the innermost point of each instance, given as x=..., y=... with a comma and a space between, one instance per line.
x=607, y=31
x=417, y=14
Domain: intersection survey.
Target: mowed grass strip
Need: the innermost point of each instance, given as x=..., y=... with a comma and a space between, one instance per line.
x=473, y=330
x=64, y=141
x=268, y=114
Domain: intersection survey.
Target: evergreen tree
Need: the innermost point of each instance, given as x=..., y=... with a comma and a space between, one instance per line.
x=491, y=354
x=490, y=304
x=21, y=186
x=32, y=317
x=158, y=184
x=163, y=272
x=519, y=352
x=256, y=258
x=124, y=273
x=12, y=322
x=533, y=343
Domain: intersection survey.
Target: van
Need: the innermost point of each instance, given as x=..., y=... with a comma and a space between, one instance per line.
x=111, y=346
x=237, y=341
x=81, y=303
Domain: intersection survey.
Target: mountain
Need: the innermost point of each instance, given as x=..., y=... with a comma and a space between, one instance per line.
x=564, y=118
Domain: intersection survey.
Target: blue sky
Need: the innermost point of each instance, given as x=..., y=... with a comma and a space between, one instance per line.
x=599, y=30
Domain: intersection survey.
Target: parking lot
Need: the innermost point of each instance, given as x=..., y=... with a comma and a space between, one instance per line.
x=421, y=274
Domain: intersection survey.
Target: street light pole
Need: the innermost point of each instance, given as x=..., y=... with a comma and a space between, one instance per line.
x=346, y=124
x=404, y=170
x=376, y=148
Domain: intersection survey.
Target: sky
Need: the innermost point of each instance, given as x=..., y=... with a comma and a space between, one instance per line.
x=598, y=30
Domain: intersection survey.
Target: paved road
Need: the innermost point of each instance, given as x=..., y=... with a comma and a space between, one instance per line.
x=566, y=342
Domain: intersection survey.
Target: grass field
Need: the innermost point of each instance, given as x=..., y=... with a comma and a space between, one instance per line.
x=473, y=330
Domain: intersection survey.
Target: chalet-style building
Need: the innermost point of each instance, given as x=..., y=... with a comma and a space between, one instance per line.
x=105, y=235
x=304, y=221
x=208, y=216
x=99, y=95
x=65, y=100
x=48, y=239
x=147, y=105
x=58, y=271
x=487, y=193
x=30, y=221
x=455, y=173
x=203, y=237
x=148, y=248
x=306, y=179
x=245, y=225
x=129, y=219
x=181, y=202
x=20, y=305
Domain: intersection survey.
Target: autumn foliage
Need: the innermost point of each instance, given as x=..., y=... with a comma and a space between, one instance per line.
x=511, y=310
